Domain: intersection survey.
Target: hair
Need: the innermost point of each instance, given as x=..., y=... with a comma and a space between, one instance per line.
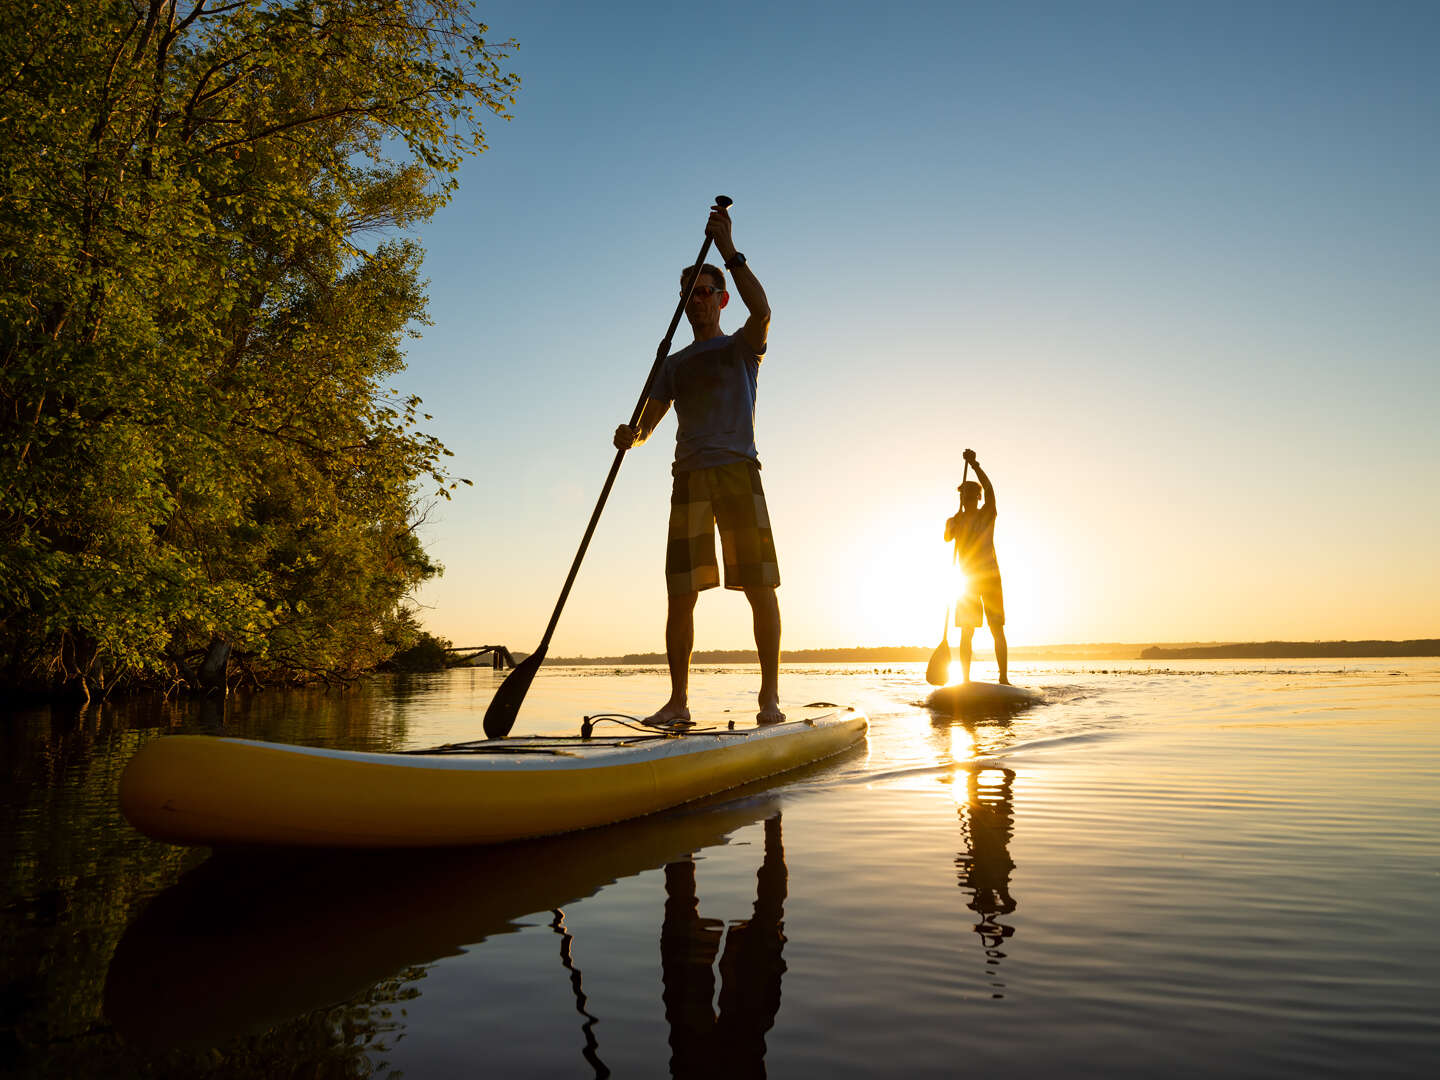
x=716, y=275
x=969, y=487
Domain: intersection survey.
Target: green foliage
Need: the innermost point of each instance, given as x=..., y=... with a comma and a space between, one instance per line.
x=203, y=292
x=427, y=653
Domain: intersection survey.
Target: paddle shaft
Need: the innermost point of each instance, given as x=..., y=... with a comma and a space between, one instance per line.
x=956, y=560
x=937, y=671
x=965, y=475
x=660, y=354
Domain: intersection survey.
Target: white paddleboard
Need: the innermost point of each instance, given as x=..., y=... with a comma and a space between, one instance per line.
x=981, y=696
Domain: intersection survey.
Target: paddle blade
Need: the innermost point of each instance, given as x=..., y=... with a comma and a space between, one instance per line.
x=937, y=672
x=505, y=705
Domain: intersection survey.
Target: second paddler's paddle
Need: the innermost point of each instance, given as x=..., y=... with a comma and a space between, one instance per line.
x=505, y=705
x=937, y=672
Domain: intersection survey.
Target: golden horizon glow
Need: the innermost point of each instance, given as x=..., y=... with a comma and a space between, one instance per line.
x=910, y=581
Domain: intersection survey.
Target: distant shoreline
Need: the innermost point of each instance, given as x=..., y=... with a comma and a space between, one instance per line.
x=1294, y=650
x=1253, y=650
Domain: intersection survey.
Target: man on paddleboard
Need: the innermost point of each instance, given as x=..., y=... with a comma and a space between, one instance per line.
x=717, y=473
x=973, y=532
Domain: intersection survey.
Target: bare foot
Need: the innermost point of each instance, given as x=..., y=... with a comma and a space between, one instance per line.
x=769, y=713
x=670, y=715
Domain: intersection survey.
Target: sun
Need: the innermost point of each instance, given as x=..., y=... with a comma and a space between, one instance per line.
x=905, y=583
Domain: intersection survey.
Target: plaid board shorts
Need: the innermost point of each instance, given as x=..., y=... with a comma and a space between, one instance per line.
x=984, y=593
x=731, y=497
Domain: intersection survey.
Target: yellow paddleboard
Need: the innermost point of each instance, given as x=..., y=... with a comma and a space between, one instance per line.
x=201, y=789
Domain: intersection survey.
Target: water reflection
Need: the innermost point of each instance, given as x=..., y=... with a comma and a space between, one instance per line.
x=986, y=812
x=245, y=942
x=729, y=1043
x=591, y=1052
x=984, y=864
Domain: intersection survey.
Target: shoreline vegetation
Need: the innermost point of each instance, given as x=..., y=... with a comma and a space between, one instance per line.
x=208, y=274
x=1253, y=650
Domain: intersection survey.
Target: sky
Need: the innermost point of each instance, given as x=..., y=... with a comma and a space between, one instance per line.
x=1170, y=269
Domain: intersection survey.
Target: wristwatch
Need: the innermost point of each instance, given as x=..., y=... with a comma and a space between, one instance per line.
x=735, y=261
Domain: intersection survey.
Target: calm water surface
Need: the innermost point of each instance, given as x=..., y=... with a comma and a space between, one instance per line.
x=1163, y=870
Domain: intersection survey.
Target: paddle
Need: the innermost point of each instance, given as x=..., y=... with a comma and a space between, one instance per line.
x=505, y=706
x=937, y=672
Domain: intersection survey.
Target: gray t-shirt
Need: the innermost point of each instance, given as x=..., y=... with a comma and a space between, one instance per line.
x=712, y=384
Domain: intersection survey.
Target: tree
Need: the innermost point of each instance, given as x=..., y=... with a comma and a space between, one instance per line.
x=204, y=290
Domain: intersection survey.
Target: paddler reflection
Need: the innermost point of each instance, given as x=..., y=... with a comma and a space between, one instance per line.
x=730, y=1043
x=987, y=819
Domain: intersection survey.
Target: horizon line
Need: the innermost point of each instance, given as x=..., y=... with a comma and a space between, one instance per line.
x=1016, y=651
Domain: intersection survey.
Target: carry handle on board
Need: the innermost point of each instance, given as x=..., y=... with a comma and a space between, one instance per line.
x=505, y=705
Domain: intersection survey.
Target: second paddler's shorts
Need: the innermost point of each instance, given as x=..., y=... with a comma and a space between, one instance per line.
x=731, y=497
x=984, y=594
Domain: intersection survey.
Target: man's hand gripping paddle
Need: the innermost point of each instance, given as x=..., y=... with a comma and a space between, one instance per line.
x=505, y=706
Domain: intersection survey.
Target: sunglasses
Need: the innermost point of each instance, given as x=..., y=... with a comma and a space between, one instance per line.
x=703, y=291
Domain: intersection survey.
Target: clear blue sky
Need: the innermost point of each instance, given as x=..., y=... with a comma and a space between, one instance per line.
x=1171, y=269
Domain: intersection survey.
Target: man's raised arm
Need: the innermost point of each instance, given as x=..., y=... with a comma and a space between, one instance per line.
x=757, y=327
x=984, y=480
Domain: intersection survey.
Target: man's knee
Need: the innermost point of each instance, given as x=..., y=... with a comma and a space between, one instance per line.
x=683, y=601
x=761, y=596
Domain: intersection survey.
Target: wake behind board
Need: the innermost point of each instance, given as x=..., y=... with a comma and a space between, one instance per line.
x=200, y=789
x=981, y=697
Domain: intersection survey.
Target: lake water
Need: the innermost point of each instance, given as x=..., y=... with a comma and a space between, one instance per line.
x=1190, y=869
